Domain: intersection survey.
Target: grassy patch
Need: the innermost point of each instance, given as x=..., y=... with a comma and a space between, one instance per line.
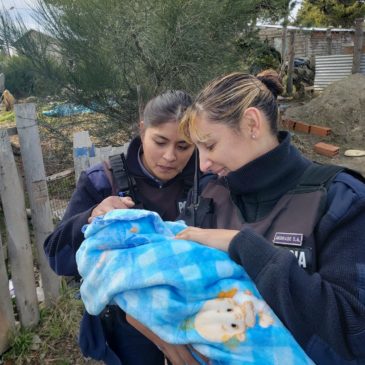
x=54, y=340
x=7, y=117
x=21, y=342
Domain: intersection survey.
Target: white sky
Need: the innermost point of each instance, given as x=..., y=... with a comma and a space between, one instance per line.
x=23, y=8
x=296, y=8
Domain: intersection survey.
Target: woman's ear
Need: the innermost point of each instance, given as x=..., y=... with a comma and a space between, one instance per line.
x=253, y=118
x=141, y=128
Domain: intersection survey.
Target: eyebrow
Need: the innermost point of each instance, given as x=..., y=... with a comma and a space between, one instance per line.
x=166, y=139
x=162, y=137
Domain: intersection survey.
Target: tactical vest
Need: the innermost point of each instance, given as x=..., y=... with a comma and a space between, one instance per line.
x=168, y=201
x=291, y=223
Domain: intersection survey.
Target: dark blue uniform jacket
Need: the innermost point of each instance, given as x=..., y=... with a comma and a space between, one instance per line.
x=324, y=309
x=93, y=186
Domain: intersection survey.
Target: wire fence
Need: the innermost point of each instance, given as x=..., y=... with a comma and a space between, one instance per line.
x=56, y=136
x=60, y=188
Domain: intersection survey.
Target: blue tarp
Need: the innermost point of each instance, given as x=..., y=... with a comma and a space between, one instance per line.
x=67, y=109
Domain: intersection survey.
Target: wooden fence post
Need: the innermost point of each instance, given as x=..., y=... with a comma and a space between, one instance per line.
x=86, y=155
x=83, y=149
x=35, y=178
x=7, y=319
x=357, y=45
x=289, y=85
x=19, y=247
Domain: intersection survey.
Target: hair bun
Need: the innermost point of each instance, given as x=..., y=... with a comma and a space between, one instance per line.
x=271, y=79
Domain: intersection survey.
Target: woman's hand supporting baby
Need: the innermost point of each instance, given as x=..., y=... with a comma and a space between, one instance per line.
x=111, y=203
x=216, y=238
x=177, y=354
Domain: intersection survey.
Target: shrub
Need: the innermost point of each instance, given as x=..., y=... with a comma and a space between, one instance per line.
x=22, y=79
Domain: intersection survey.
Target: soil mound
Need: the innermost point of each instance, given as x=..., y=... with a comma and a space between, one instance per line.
x=341, y=107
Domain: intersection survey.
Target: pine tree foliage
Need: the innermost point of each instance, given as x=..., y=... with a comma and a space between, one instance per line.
x=330, y=13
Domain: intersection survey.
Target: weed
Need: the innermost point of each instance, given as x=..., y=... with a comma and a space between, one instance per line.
x=21, y=341
x=54, y=340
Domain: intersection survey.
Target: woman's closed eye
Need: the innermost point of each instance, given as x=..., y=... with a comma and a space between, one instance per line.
x=183, y=147
x=160, y=143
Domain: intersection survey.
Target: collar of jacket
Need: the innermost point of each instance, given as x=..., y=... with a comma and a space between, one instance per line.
x=136, y=170
x=271, y=175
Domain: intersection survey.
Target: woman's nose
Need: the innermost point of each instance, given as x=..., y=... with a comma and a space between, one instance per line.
x=204, y=163
x=170, y=155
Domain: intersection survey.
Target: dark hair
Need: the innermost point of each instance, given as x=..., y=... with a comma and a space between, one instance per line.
x=225, y=99
x=166, y=107
x=272, y=81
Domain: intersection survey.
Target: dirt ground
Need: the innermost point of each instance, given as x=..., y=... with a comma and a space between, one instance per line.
x=341, y=107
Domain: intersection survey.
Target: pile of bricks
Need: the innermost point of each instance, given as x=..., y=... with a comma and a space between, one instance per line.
x=305, y=128
x=321, y=148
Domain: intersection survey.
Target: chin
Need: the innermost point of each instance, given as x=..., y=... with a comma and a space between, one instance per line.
x=165, y=177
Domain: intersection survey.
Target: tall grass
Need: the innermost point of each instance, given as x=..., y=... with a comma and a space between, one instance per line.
x=54, y=340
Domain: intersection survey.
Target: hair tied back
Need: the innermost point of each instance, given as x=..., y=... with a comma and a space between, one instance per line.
x=271, y=79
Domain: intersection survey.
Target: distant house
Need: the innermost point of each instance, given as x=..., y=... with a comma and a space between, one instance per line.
x=311, y=41
x=43, y=42
x=332, y=50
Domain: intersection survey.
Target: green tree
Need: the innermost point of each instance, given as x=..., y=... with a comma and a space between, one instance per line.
x=258, y=55
x=335, y=13
x=22, y=79
x=110, y=49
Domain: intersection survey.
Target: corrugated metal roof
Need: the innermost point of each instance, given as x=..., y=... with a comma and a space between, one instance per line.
x=333, y=68
x=307, y=29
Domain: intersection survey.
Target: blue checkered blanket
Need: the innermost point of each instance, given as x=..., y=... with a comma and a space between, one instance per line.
x=184, y=292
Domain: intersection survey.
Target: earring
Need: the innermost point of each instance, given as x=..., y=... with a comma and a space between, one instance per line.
x=253, y=136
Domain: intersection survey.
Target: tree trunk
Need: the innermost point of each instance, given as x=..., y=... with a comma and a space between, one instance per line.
x=289, y=85
x=357, y=45
x=329, y=41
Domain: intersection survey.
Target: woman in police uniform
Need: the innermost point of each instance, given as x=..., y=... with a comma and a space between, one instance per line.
x=297, y=228
x=161, y=165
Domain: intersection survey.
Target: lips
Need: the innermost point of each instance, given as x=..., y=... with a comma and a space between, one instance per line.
x=166, y=168
x=221, y=172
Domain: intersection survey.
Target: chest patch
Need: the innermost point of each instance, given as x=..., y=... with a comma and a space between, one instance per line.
x=181, y=205
x=288, y=239
x=304, y=257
